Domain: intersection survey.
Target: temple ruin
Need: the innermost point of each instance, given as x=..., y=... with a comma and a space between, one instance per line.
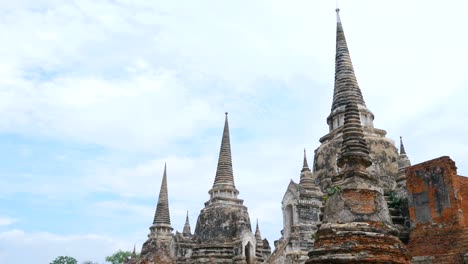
x=361, y=202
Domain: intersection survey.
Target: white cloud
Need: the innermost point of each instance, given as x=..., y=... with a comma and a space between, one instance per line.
x=43, y=247
x=5, y=221
x=139, y=75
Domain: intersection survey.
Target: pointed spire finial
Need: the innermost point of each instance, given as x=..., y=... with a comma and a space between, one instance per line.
x=258, y=236
x=224, y=178
x=307, y=180
x=305, y=164
x=402, y=147
x=161, y=217
x=346, y=87
x=186, y=230
x=134, y=251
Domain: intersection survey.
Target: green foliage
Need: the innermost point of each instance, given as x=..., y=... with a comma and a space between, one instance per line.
x=332, y=190
x=395, y=201
x=64, y=260
x=325, y=198
x=329, y=192
x=119, y=257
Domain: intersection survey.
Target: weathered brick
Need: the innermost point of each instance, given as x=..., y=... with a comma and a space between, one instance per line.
x=436, y=208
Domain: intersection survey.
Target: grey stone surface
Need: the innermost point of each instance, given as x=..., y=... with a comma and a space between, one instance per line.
x=435, y=178
x=356, y=227
x=223, y=233
x=383, y=154
x=301, y=206
x=420, y=201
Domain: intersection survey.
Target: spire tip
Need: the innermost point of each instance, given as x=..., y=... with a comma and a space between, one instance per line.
x=338, y=19
x=402, y=147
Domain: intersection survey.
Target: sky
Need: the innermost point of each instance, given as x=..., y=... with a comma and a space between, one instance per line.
x=96, y=95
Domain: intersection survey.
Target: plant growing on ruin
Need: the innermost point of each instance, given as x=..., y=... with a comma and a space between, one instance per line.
x=332, y=190
x=325, y=198
x=395, y=201
x=329, y=192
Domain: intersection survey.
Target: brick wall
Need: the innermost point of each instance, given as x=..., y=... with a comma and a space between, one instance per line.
x=435, y=194
x=464, y=195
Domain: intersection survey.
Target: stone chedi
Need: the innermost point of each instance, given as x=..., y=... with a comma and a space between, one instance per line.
x=184, y=243
x=383, y=152
x=223, y=233
x=356, y=226
x=301, y=208
x=160, y=243
x=263, y=250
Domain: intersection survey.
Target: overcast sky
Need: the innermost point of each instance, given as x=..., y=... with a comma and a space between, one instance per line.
x=95, y=95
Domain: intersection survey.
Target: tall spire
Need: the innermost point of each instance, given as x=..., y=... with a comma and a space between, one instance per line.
x=224, y=174
x=223, y=185
x=346, y=86
x=356, y=206
x=186, y=230
x=162, y=218
x=402, y=147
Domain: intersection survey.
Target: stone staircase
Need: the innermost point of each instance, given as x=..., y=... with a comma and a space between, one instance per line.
x=398, y=220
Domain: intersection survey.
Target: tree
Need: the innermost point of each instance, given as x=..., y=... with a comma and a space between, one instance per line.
x=64, y=260
x=89, y=262
x=119, y=257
